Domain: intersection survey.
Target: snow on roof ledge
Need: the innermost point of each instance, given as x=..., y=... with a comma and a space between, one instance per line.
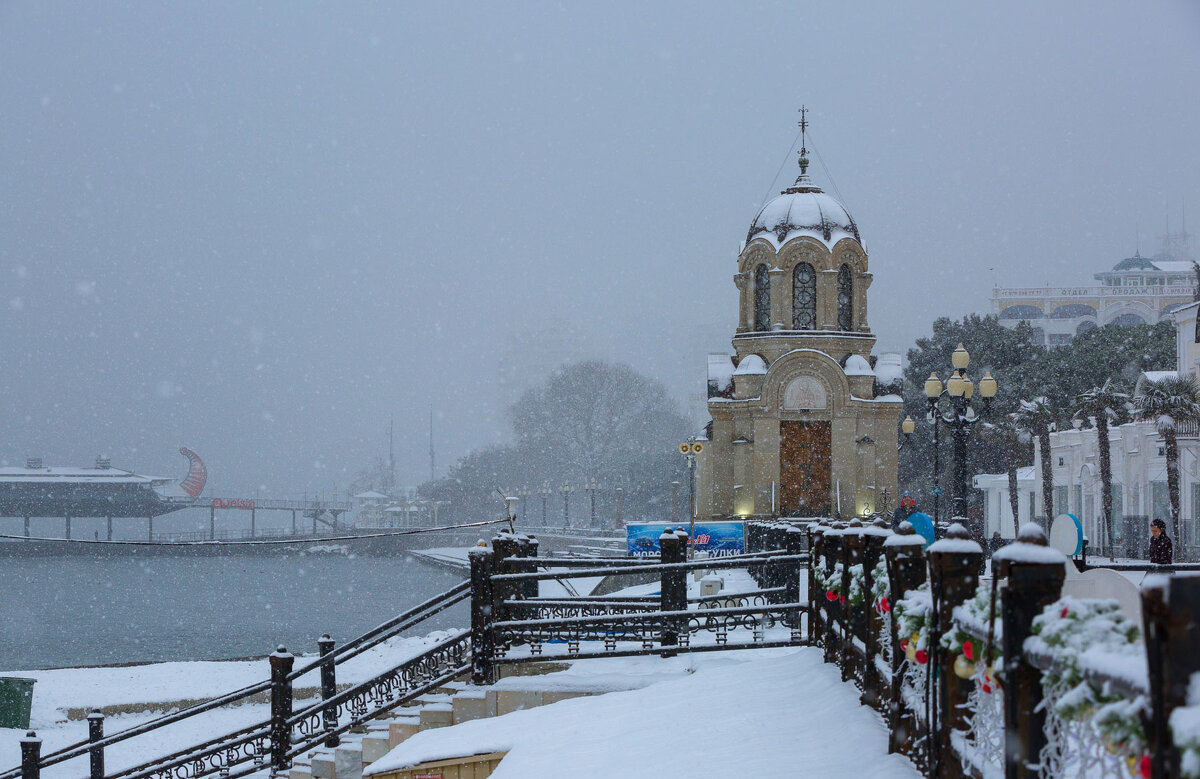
x=857, y=366
x=751, y=365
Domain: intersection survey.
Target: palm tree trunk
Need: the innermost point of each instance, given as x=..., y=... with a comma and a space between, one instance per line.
x=1105, y=477
x=1043, y=435
x=1014, y=500
x=1173, y=482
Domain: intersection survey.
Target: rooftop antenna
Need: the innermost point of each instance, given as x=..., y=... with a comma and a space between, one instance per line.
x=803, y=142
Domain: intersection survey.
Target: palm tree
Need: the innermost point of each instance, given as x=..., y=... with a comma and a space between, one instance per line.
x=1098, y=404
x=1169, y=402
x=1037, y=416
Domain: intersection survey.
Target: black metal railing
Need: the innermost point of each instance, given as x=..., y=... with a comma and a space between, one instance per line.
x=971, y=686
x=248, y=748
x=509, y=624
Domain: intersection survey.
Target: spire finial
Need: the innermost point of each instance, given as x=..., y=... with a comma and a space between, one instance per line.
x=803, y=141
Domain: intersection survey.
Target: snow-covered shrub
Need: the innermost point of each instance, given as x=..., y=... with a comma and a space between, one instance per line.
x=1185, y=729
x=1082, y=634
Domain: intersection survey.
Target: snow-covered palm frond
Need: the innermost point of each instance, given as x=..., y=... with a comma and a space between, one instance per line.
x=1169, y=401
x=1103, y=401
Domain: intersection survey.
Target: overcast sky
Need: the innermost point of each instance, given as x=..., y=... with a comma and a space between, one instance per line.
x=259, y=230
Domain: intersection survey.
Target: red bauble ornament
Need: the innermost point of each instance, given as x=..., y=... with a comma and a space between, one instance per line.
x=922, y=656
x=1144, y=766
x=903, y=644
x=969, y=650
x=830, y=596
x=1065, y=612
x=884, y=606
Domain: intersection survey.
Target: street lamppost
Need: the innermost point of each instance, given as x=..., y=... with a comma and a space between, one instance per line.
x=566, y=491
x=524, y=494
x=959, y=416
x=689, y=449
x=545, y=493
x=592, y=486
x=620, y=507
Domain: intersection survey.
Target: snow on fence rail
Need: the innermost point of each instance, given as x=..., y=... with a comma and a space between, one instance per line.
x=1006, y=677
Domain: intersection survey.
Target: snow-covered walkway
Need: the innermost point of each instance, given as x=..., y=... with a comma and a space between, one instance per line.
x=761, y=713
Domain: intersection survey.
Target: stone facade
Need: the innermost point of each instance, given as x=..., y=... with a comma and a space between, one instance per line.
x=797, y=428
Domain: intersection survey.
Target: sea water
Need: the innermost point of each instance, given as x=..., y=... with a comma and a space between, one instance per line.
x=75, y=611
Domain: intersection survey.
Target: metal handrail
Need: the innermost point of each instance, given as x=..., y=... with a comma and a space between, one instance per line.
x=651, y=616
x=350, y=692
x=350, y=649
x=740, y=561
x=381, y=633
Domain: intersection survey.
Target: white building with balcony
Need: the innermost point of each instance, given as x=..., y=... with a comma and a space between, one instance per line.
x=1137, y=291
x=1139, y=470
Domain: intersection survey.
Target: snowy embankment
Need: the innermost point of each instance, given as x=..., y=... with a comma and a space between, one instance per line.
x=135, y=694
x=769, y=713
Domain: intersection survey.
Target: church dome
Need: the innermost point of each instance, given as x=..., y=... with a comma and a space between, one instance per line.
x=803, y=209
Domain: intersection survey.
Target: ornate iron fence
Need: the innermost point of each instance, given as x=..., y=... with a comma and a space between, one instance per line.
x=1004, y=677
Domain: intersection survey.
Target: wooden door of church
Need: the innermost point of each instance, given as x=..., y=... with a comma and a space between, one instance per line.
x=804, y=468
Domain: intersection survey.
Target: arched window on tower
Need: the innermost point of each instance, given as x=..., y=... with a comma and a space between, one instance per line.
x=804, y=297
x=845, y=299
x=762, y=298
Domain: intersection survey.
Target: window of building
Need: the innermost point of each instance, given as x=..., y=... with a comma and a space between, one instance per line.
x=1022, y=312
x=762, y=298
x=845, y=299
x=1077, y=501
x=1060, y=501
x=1118, y=511
x=804, y=297
x=1160, y=502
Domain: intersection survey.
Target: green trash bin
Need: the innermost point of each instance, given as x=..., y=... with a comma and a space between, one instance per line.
x=16, y=698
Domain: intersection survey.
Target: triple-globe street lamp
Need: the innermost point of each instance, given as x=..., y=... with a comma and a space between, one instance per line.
x=960, y=416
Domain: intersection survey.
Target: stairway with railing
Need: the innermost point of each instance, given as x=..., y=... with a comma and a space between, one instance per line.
x=510, y=625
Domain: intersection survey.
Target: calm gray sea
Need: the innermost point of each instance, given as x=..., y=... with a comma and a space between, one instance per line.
x=71, y=611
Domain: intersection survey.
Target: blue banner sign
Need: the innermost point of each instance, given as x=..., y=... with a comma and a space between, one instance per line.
x=719, y=539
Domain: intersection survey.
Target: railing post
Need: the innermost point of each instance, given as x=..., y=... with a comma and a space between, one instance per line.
x=483, y=640
x=281, y=707
x=954, y=566
x=872, y=552
x=852, y=541
x=31, y=756
x=816, y=535
x=904, y=552
x=96, y=733
x=794, y=543
x=670, y=551
x=833, y=541
x=530, y=589
x=328, y=689
x=1034, y=581
x=1173, y=652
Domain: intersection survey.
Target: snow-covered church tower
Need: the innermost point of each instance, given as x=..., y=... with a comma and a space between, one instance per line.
x=800, y=425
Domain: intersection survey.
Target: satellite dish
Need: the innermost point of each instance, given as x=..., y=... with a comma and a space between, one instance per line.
x=1105, y=583
x=1066, y=535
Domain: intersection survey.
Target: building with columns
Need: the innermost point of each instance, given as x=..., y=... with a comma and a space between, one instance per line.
x=800, y=425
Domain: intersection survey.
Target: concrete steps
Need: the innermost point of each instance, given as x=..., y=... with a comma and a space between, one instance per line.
x=455, y=703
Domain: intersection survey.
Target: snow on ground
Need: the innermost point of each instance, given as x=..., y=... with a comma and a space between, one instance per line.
x=165, y=683
x=770, y=713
